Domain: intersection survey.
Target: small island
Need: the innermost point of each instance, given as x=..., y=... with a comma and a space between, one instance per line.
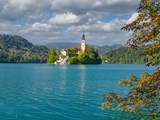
x=81, y=54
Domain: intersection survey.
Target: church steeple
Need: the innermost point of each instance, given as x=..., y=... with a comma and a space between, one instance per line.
x=83, y=42
x=83, y=36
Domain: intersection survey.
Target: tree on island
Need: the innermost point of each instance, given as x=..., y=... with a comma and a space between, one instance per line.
x=52, y=56
x=89, y=56
x=143, y=100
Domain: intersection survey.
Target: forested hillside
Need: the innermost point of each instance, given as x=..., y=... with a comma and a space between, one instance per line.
x=15, y=49
x=125, y=55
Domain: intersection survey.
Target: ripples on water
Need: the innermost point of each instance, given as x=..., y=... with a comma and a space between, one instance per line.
x=49, y=92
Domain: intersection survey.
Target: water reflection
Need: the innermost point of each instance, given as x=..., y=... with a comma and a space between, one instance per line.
x=83, y=72
x=63, y=77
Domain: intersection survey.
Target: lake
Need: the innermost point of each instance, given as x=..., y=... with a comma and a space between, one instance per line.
x=54, y=92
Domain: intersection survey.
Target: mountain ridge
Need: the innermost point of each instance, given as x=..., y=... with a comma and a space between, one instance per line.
x=16, y=49
x=64, y=45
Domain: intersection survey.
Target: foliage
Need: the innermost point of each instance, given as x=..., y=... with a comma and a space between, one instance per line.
x=52, y=56
x=90, y=56
x=144, y=96
x=125, y=55
x=73, y=60
x=72, y=52
x=15, y=49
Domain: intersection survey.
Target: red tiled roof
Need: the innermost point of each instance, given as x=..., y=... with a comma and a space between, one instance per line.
x=79, y=46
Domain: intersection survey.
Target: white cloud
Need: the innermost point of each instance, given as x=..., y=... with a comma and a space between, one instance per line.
x=15, y=10
x=118, y=1
x=46, y=21
x=65, y=18
x=97, y=4
x=114, y=6
x=112, y=26
x=132, y=18
x=41, y=26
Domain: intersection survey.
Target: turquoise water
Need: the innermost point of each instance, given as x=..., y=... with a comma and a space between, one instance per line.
x=50, y=92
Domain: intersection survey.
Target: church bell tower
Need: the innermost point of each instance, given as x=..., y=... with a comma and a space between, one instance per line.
x=83, y=43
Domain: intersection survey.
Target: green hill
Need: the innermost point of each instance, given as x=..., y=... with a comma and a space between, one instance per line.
x=125, y=55
x=15, y=49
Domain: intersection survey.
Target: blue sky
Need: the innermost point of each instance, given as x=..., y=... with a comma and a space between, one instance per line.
x=48, y=21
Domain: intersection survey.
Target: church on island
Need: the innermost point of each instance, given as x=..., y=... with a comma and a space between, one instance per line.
x=63, y=57
x=83, y=43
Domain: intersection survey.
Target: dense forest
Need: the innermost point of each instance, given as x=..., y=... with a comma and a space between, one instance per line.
x=15, y=49
x=125, y=55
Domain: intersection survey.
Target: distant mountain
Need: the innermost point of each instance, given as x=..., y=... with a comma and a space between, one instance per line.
x=63, y=45
x=106, y=48
x=15, y=49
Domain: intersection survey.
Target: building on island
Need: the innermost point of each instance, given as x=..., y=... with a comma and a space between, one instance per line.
x=63, y=54
x=83, y=43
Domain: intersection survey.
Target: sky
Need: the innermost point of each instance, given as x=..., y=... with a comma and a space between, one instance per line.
x=48, y=21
